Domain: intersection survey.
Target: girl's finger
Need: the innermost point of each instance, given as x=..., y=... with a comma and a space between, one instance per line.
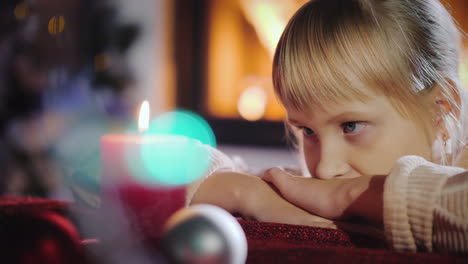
x=273, y=175
x=280, y=179
x=309, y=194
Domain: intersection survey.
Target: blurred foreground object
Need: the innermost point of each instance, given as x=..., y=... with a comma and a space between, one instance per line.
x=60, y=61
x=39, y=238
x=204, y=234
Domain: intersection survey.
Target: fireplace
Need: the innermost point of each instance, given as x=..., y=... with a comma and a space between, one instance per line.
x=224, y=51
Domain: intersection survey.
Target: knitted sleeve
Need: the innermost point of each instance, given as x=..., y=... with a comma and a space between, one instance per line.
x=426, y=206
x=218, y=161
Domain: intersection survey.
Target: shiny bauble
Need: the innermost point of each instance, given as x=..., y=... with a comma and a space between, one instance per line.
x=204, y=234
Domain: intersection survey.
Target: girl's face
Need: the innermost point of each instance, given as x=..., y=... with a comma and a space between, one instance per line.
x=357, y=138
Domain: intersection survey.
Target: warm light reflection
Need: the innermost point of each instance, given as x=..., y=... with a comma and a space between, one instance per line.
x=249, y=30
x=267, y=23
x=252, y=103
x=269, y=18
x=143, y=117
x=56, y=25
x=464, y=71
x=21, y=11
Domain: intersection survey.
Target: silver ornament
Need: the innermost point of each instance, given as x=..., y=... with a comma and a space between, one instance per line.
x=204, y=234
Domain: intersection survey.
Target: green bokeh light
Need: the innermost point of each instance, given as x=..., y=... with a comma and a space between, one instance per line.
x=179, y=154
x=183, y=123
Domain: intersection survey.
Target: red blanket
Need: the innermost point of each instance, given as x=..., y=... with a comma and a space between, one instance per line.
x=268, y=242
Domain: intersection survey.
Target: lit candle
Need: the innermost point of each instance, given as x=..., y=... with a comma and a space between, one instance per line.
x=126, y=179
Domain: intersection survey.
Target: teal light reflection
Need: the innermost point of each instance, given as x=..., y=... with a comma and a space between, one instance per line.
x=178, y=153
x=183, y=123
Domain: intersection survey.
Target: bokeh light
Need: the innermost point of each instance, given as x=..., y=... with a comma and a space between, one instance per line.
x=78, y=154
x=183, y=123
x=177, y=151
x=252, y=103
x=56, y=25
x=21, y=11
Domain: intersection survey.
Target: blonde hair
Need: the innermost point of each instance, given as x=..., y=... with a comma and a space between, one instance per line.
x=338, y=50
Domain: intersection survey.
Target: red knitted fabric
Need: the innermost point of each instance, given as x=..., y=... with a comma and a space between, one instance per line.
x=281, y=243
x=14, y=205
x=261, y=234
x=315, y=255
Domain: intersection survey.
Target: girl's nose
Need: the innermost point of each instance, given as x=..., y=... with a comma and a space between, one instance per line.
x=332, y=170
x=331, y=165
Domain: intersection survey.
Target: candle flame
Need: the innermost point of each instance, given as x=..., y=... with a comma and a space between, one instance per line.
x=143, y=118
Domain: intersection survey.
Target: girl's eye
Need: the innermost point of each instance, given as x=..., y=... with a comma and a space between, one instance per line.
x=352, y=127
x=307, y=131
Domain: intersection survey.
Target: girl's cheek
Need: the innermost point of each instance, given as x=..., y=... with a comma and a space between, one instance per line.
x=311, y=160
x=310, y=140
x=365, y=137
x=311, y=153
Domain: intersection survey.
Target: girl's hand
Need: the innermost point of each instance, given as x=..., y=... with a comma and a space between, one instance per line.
x=253, y=198
x=332, y=199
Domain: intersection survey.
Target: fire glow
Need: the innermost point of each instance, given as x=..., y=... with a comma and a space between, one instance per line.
x=250, y=30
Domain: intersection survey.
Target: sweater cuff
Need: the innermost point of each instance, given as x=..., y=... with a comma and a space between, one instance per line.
x=424, y=188
x=410, y=195
x=396, y=220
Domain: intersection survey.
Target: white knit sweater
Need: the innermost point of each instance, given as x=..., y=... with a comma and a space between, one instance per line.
x=426, y=206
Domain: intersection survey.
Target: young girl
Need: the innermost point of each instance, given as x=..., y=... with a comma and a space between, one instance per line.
x=374, y=100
